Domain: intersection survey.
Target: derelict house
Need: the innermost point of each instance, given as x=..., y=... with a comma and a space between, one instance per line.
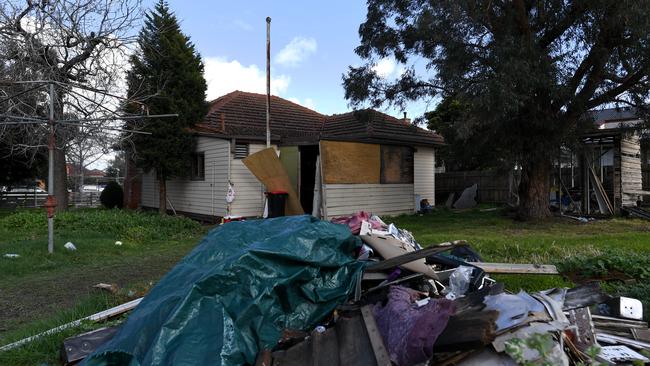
x=361, y=160
x=606, y=173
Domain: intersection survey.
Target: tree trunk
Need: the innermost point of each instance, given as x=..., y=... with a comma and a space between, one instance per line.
x=60, y=180
x=534, y=189
x=162, y=195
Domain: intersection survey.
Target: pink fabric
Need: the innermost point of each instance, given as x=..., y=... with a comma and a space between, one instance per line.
x=354, y=221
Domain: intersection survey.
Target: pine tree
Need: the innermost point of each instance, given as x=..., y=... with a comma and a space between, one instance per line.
x=167, y=76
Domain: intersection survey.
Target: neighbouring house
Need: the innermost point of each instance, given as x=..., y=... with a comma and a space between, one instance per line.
x=366, y=160
x=609, y=165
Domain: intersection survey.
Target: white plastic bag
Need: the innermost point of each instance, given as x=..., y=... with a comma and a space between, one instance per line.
x=459, y=282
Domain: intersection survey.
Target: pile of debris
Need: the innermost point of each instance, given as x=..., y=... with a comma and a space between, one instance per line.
x=302, y=291
x=436, y=306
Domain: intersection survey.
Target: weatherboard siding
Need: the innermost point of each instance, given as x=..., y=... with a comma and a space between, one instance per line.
x=631, y=176
x=195, y=196
x=424, y=174
x=249, y=192
x=379, y=199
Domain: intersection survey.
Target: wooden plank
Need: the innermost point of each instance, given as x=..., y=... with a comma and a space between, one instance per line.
x=102, y=315
x=268, y=169
x=412, y=256
x=512, y=268
x=350, y=162
x=379, y=349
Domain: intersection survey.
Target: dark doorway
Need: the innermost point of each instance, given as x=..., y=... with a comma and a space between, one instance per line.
x=308, y=155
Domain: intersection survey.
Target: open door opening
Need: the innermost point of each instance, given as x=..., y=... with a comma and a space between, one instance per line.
x=308, y=155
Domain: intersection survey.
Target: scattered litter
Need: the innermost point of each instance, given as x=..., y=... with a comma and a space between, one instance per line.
x=300, y=291
x=354, y=221
x=459, y=282
x=623, y=307
x=112, y=288
x=70, y=246
x=11, y=255
x=410, y=333
x=491, y=209
x=79, y=347
x=621, y=354
x=118, y=243
x=513, y=309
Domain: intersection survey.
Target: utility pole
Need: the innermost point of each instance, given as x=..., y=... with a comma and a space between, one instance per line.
x=268, y=82
x=50, y=204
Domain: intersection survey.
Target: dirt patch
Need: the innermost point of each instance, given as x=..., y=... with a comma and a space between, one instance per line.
x=41, y=296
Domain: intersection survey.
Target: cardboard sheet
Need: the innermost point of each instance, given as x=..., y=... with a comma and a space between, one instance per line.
x=268, y=169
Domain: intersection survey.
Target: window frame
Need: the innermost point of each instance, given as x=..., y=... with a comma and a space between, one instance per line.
x=197, y=168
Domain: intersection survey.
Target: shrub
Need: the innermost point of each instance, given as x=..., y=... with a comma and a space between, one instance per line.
x=112, y=196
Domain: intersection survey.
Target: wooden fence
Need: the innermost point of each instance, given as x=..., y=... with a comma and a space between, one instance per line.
x=493, y=187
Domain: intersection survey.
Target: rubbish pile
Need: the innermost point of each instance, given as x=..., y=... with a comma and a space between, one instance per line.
x=301, y=291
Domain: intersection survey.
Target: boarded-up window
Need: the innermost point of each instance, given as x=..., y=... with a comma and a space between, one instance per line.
x=350, y=162
x=396, y=164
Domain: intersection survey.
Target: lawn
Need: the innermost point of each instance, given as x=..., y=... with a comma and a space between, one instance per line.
x=40, y=291
x=616, y=248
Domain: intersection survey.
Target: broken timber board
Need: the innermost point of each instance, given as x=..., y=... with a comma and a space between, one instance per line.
x=412, y=256
x=97, y=317
x=376, y=341
x=511, y=268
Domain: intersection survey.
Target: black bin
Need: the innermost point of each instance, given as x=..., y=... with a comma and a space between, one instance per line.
x=277, y=200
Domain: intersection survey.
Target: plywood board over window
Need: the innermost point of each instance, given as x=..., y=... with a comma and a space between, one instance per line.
x=350, y=162
x=396, y=164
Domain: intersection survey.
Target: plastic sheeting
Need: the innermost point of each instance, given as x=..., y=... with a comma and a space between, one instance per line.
x=410, y=332
x=513, y=309
x=236, y=291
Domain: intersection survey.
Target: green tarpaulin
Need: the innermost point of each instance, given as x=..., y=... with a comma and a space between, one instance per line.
x=236, y=291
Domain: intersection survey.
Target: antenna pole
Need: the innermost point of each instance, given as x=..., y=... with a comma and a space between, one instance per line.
x=268, y=81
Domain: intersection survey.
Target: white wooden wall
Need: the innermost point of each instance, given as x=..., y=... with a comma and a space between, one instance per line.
x=424, y=174
x=196, y=196
x=379, y=199
x=631, y=178
x=249, y=192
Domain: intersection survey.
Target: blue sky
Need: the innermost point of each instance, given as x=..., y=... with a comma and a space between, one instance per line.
x=312, y=44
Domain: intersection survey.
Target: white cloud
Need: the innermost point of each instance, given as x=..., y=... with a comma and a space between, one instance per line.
x=242, y=25
x=296, y=51
x=224, y=76
x=385, y=67
x=307, y=102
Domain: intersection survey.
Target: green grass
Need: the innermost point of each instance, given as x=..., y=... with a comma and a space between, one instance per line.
x=500, y=239
x=46, y=349
x=50, y=290
x=39, y=291
x=94, y=233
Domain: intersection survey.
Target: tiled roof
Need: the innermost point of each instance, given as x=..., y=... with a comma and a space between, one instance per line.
x=373, y=126
x=243, y=115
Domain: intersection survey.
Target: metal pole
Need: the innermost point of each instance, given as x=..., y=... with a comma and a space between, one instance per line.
x=50, y=177
x=268, y=81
